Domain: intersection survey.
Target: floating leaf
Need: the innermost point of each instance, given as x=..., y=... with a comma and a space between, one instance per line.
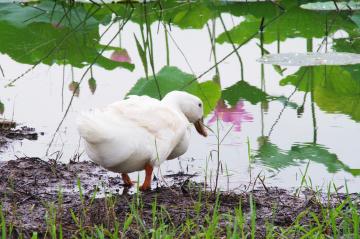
x=332, y=6
x=170, y=79
x=311, y=59
x=92, y=85
x=277, y=68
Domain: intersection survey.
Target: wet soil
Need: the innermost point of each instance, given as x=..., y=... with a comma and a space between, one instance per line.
x=10, y=131
x=30, y=189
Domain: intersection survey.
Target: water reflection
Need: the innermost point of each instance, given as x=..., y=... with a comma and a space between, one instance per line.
x=335, y=89
x=272, y=156
x=235, y=115
x=82, y=37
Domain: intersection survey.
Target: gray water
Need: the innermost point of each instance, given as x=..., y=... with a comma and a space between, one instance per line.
x=296, y=114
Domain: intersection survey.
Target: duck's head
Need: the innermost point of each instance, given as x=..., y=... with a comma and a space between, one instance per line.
x=191, y=106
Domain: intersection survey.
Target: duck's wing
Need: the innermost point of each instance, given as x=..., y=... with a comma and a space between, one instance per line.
x=164, y=124
x=92, y=126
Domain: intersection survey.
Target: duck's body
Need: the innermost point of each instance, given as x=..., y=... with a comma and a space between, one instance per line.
x=137, y=133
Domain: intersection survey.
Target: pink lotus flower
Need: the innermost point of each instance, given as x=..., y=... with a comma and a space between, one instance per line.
x=120, y=56
x=235, y=115
x=57, y=25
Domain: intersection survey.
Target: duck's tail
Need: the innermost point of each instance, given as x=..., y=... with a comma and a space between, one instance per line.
x=90, y=129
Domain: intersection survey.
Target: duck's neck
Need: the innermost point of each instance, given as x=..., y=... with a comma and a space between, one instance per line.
x=175, y=104
x=172, y=102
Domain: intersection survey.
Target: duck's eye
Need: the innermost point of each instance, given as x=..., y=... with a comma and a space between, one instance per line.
x=199, y=104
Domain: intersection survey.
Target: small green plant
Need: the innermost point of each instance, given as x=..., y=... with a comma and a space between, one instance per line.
x=3, y=224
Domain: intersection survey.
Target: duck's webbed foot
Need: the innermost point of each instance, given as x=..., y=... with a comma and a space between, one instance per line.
x=148, y=173
x=127, y=181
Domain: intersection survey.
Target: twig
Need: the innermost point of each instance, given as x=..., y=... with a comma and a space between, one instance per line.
x=179, y=49
x=337, y=7
x=262, y=182
x=2, y=71
x=83, y=76
x=233, y=45
x=297, y=85
x=230, y=53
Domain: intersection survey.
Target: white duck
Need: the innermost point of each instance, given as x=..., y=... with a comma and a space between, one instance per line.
x=141, y=132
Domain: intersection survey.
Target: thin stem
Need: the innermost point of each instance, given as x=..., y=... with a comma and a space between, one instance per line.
x=213, y=47
x=167, y=46
x=83, y=76
x=313, y=108
x=229, y=54
x=234, y=47
x=218, y=155
x=151, y=50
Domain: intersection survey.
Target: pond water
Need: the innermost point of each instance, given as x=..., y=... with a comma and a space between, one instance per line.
x=277, y=121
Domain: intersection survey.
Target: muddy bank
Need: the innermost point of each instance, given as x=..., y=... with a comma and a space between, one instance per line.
x=30, y=197
x=10, y=131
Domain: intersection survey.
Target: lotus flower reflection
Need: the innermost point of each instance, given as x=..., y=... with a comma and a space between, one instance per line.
x=235, y=115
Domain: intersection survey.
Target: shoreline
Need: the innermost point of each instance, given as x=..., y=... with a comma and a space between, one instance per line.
x=89, y=199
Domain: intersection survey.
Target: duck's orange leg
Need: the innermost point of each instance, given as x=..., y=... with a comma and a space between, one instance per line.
x=127, y=181
x=148, y=174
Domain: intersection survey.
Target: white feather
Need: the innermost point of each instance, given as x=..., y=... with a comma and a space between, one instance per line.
x=127, y=134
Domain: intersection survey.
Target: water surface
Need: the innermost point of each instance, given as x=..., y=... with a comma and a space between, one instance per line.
x=272, y=120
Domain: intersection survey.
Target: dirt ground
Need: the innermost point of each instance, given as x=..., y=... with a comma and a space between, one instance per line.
x=28, y=185
x=31, y=188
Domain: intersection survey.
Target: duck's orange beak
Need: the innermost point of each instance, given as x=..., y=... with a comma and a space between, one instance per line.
x=200, y=128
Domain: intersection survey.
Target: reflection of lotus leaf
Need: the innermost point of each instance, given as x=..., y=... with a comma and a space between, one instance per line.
x=186, y=18
x=45, y=12
x=52, y=38
x=295, y=22
x=265, y=9
x=272, y=156
x=347, y=45
x=311, y=59
x=170, y=79
x=356, y=18
x=336, y=89
x=243, y=90
x=185, y=15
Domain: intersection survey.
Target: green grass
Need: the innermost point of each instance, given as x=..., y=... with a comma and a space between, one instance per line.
x=339, y=221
